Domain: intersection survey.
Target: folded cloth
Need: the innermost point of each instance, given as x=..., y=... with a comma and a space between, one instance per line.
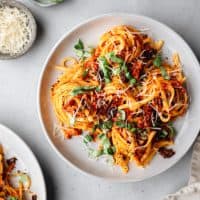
x=192, y=191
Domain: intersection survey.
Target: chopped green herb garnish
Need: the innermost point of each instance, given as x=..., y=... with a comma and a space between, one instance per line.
x=110, y=150
x=122, y=114
x=106, y=125
x=79, y=45
x=80, y=50
x=128, y=75
x=100, y=136
x=163, y=134
x=94, y=128
x=12, y=198
x=127, y=125
x=23, y=178
x=94, y=153
x=164, y=73
x=104, y=141
x=98, y=88
x=172, y=130
x=132, y=81
x=133, y=129
x=104, y=66
x=120, y=124
x=122, y=67
x=157, y=62
x=85, y=73
x=116, y=71
x=111, y=56
x=87, y=138
x=82, y=89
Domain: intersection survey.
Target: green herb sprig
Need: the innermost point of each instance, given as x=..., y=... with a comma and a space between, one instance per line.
x=83, y=89
x=80, y=50
x=158, y=63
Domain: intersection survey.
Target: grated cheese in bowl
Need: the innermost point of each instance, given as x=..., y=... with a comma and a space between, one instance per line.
x=16, y=32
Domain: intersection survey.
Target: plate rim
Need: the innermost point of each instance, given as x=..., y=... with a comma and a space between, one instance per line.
x=30, y=152
x=58, y=42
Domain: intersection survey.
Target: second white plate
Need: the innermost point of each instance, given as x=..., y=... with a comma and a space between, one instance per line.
x=14, y=146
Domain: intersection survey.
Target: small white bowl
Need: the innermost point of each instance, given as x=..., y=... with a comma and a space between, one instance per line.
x=32, y=25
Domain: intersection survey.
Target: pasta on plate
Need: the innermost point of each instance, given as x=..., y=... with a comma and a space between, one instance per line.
x=15, y=184
x=122, y=95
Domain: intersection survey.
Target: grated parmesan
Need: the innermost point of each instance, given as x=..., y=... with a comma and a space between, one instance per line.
x=15, y=32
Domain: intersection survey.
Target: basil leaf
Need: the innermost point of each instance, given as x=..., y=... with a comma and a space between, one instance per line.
x=104, y=141
x=163, y=134
x=79, y=45
x=85, y=73
x=128, y=75
x=12, y=198
x=98, y=89
x=111, y=56
x=122, y=114
x=106, y=125
x=79, y=53
x=104, y=66
x=87, y=138
x=172, y=130
x=110, y=150
x=158, y=60
x=120, y=124
x=116, y=71
x=82, y=89
x=132, y=81
x=80, y=50
x=94, y=153
x=129, y=126
x=164, y=73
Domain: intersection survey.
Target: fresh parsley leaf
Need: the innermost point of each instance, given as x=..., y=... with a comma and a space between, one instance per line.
x=87, y=138
x=120, y=124
x=172, y=130
x=98, y=88
x=127, y=125
x=85, y=73
x=82, y=89
x=104, y=66
x=110, y=150
x=104, y=141
x=164, y=73
x=163, y=134
x=94, y=153
x=12, y=198
x=80, y=50
x=132, y=81
x=94, y=128
x=106, y=125
x=158, y=60
x=79, y=45
x=128, y=75
x=23, y=178
x=116, y=71
x=122, y=114
x=111, y=56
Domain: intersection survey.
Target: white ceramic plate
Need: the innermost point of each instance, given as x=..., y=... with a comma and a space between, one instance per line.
x=14, y=146
x=73, y=151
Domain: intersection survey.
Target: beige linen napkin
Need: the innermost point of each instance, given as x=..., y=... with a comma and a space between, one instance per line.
x=192, y=191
